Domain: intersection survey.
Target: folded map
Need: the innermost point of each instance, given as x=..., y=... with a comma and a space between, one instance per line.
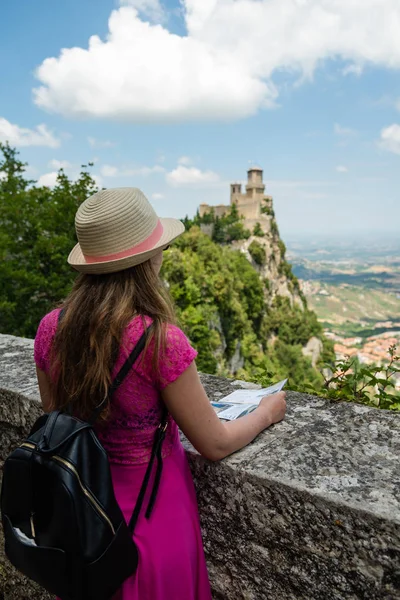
x=242, y=402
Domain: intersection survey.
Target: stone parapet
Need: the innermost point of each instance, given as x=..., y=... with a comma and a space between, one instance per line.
x=310, y=510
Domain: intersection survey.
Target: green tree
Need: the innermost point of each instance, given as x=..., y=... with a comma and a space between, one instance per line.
x=208, y=218
x=237, y=231
x=291, y=324
x=219, y=233
x=233, y=215
x=36, y=236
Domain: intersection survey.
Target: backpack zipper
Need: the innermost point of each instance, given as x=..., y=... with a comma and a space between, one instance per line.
x=33, y=533
x=68, y=465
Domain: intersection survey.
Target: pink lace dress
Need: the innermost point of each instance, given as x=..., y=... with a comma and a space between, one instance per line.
x=171, y=558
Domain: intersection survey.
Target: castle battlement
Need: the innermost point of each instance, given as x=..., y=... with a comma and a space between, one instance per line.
x=249, y=203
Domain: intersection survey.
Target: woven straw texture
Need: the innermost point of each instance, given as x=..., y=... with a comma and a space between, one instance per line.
x=116, y=221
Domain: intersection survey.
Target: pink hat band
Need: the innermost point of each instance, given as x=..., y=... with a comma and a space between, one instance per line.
x=147, y=244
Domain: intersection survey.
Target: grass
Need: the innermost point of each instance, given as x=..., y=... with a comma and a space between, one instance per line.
x=355, y=310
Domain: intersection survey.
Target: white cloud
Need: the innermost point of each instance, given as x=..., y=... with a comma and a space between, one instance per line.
x=223, y=66
x=344, y=131
x=109, y=171
x=187, y=176
x=112, y=171
x=149, y=8
x=157, y=196
x=342, y=169
x=144, y=73
x=21, y=136
x=30, y=171
x=390, y=138
x=3, y=175
x=59, y=164
x=48, y=179
x=95, y=143
x=185, y=160
x=353, y=69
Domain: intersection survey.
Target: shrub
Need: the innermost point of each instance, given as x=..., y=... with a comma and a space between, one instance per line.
x=236, y=232
x=257, y=253
x=282, y=248
x=367, y=384
x=267, y=210
x=274, y=227
x=258, y=231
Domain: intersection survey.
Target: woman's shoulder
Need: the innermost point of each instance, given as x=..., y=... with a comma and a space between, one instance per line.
x=176, y=355
x=50, y=319
x=173, y=334
x=44, y=336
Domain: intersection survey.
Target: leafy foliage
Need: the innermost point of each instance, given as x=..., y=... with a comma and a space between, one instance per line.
x=267, y=210
x=290, y=324
x=221, y=302
x=225, y=229
x=219, y=284
x=274, y=227
x=282, y=248
x=36, y=235
x=257, y=253
x=367, y=384
x=257, y=231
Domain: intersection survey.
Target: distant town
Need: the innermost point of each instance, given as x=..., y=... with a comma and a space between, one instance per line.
x=355, y=292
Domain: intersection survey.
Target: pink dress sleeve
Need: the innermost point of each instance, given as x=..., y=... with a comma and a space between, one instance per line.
x=43, y=340
x=176, y=358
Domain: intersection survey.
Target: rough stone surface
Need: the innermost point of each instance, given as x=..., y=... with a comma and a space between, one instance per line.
x=310, y=510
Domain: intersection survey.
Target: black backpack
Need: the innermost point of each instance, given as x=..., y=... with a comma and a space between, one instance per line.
x=62, y=525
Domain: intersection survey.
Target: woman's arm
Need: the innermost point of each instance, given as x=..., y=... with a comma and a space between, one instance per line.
x=44, y=389
x=187, y=402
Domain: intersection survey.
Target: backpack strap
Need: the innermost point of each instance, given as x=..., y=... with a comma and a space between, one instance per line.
x=156, y=453
x=122, y=373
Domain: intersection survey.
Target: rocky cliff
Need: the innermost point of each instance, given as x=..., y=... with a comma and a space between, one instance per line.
x=271, y=265
x=258, y=240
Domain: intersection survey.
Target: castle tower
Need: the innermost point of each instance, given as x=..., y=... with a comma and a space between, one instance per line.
x=236, y=192
x=255, y=187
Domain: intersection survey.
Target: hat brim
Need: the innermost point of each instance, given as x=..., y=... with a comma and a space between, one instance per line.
x=172, y=228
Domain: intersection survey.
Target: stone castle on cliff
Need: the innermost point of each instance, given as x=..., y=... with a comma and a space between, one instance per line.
x=253, y=205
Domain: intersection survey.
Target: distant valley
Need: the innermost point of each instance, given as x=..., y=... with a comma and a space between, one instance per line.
x=355, y=290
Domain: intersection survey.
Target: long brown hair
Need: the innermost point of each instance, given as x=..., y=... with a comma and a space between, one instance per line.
x=89, y=335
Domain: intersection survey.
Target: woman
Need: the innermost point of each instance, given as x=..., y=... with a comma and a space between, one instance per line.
x=116, y=296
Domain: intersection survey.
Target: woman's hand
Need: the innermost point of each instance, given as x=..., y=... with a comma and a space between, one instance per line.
x=188, y=404
x=275, y=406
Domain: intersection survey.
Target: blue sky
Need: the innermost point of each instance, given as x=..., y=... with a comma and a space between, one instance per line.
x=180, y=98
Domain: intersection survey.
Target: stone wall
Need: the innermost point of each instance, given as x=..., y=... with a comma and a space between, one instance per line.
x=220, y=210
x=310, y=510
x=249, y=208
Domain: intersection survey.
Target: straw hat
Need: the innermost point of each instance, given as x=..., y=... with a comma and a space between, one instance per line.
x=118, y=228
